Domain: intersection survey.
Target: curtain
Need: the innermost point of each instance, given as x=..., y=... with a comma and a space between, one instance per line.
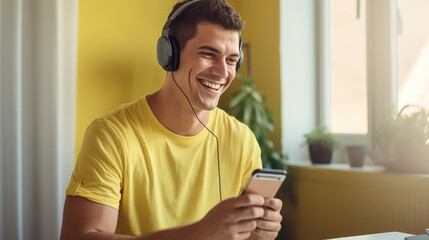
x=37, y=114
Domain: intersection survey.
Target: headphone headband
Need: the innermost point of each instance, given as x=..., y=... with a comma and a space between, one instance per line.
x=166, y=28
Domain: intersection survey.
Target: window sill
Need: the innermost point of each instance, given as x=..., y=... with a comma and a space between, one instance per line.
x=336, y=166
x=345, y=167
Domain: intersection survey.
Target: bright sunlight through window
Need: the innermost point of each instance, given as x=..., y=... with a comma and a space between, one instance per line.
x=349, y=114
x=413, y=53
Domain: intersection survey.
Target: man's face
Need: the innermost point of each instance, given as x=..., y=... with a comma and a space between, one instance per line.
x=207, y=64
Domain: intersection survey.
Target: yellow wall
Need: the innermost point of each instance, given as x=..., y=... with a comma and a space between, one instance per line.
x=117, y=54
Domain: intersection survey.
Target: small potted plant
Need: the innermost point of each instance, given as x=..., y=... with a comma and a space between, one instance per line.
x=321, y=145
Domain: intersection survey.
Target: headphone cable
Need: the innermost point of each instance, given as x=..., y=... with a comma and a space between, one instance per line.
x=217, y=141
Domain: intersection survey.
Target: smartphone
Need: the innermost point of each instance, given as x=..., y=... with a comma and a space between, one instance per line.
x=265, y=182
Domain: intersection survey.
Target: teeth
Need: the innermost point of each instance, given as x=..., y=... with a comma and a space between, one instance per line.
x=210, y=85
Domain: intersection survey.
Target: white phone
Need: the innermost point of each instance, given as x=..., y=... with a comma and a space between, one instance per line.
x=265, y=182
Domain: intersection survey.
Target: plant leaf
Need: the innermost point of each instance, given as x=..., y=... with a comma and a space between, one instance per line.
x=256, y=96
x=248, y=89
x=237, y=100
x=247, y=111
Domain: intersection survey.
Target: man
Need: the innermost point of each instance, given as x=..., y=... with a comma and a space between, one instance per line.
x=170, y=165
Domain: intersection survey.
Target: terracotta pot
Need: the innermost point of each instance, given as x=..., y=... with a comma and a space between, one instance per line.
x=356, y=155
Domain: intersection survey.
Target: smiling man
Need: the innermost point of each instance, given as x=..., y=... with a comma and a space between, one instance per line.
x=171, y=164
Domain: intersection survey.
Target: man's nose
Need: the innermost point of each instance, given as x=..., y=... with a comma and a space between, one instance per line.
x=221, y=68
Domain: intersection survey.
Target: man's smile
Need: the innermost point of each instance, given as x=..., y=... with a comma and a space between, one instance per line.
x=214, y=86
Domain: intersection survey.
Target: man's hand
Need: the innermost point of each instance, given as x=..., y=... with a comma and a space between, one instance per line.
x=234, y=218
x=269, y=225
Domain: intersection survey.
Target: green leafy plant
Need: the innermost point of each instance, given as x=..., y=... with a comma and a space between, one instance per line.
x=410, y=130
x=320, y=136
x=248, y=106
x=403, y=144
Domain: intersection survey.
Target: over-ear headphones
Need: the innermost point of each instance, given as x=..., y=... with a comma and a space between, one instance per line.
x=168, y=51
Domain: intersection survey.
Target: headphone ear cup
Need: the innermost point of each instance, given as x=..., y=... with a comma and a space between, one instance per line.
x=175, y=58
x=163, y=52
x=240, y=61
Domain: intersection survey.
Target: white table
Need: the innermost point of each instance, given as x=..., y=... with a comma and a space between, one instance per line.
x=378, y=236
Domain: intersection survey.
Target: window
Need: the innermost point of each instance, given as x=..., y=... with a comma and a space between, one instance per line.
x=349, y=107
x=350, y=65
x=374, y=58
x=413, y=52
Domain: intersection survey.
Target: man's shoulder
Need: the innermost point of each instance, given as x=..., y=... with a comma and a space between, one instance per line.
x=123, y=111
x=231, y=123
x=224, y=117
x=120, y=120
x=121, y=124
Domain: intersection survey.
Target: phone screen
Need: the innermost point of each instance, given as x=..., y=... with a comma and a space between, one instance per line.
x=265, y=182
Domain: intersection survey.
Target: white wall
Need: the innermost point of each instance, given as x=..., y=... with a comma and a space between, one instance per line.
x=298, y=73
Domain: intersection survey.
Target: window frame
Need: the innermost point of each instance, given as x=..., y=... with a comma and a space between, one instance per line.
x=381, y=63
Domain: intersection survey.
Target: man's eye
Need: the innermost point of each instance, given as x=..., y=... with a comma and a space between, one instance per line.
x=208, y=54
x=232, y=60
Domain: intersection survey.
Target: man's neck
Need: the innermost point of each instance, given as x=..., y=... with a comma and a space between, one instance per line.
x=174, y=112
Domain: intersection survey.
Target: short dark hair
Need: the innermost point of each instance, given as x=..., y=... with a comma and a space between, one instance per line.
x=184, y=27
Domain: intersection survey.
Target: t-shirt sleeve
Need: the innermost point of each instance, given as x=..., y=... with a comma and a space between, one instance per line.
x=254, y=158
x=99, y=169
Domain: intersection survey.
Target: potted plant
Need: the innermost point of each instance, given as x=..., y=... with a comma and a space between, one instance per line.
x=248, y=106
x=403, y=144
x=321, y=145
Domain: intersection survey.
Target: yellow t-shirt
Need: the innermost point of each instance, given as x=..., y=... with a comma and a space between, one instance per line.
x=156, y=178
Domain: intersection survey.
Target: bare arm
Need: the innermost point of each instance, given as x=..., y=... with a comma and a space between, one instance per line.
x=87, y=220
x=84, y=219
x=231, y=219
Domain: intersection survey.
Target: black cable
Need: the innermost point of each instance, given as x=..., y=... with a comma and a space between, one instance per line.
x=217, y=141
